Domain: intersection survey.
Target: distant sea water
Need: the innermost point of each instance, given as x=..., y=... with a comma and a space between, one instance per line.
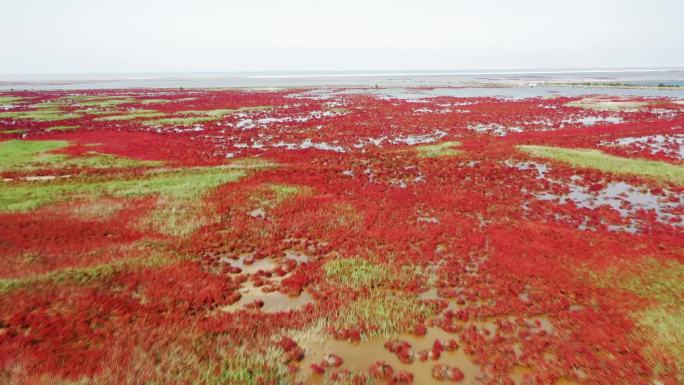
x=503, y=82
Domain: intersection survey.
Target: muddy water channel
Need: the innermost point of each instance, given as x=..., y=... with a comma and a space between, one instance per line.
x=417, y=356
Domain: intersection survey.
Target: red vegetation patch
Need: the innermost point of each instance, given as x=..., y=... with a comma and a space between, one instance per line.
x=44, y=240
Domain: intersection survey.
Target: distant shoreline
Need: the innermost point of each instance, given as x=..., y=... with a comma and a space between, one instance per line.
x=581, y=77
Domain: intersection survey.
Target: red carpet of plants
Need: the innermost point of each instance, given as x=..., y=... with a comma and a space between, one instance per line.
x=339, y=236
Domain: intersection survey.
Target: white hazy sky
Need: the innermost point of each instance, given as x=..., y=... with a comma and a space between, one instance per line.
x=76, y=36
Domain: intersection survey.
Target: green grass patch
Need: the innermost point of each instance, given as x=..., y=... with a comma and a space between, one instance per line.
x=7, y=100
x=185, y=121
x=93, y=209
x=664, y=327
x=587, y=158
x=389, y=313
x=662, y=282
x=188, y=118
x=356, y=273
x=438, y=150
x=84, y=275
x=154, y=101
x=216, y=113
x=179, y=217
x=26, y=155
x=191, y=117
x=181, y=185
x=270, y=195
x=243, y=367
x=182, y=362
x=359, y=273
x=12, y=132
x=253, y=109
x=61, y=128
x=104, y=102
x=338, y=110
x=19, y=154
x=661, y=323
x=247, y=163
x=97, y=112
x=40, y=115
x=130, y=115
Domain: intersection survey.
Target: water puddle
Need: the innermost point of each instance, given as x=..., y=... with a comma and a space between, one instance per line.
x=593, y=120
x=359, y=357
x=670, y=145
x=258, y=213
x=540, y=168
x=431, y=220
x=519, y=373
x=494, y=129
x=297, y=256
x=413, y=140
x=38, y=178
x=249, y=265
x=308, y=143
x=628, y=200
x=430, y=294
x=270, y=302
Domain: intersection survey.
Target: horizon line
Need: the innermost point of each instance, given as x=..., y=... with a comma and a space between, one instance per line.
x=379, y=72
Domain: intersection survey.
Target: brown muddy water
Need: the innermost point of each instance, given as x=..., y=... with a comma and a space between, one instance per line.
x=359, y=357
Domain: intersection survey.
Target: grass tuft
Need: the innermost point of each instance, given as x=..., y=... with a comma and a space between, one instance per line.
x=356, y=273
x=383, y=314
x=104, y=102
x=179, y=217
x=662, y=323
x=191, y=117
x=17, y=197
x=131, y=115
x=12, y=132
x=43, y=112
x=438, y=150
x=183, y=363
x=61, y=128
x=8, y=100
x=83, y=275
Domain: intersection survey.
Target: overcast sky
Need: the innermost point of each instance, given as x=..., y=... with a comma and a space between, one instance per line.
x=76, y=36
